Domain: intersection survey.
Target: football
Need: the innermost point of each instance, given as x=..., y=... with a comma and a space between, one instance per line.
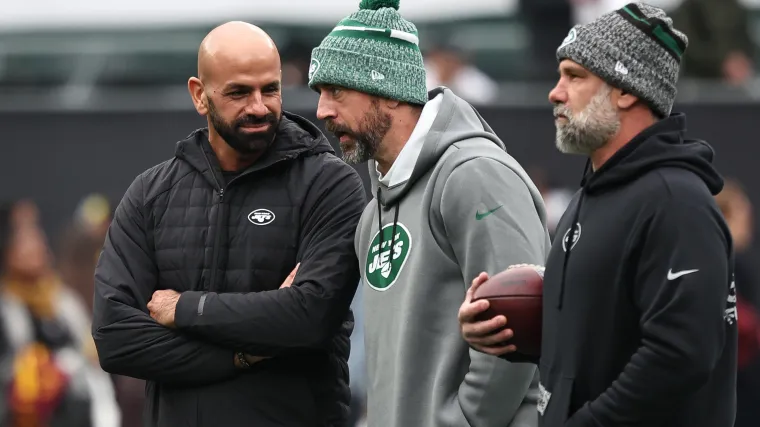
x=517, y=294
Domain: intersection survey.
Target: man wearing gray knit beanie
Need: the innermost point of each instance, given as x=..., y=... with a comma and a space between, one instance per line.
x=449, y=203
x=639, y=302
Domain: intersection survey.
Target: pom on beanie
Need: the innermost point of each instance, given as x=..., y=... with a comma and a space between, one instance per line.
x=377, y=4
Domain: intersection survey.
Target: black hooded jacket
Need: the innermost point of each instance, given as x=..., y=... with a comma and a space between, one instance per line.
x=639, y=321
x=227, y=245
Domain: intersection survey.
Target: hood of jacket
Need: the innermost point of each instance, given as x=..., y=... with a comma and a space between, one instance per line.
x=456, y=120
x=663, y=144
x=295, y=137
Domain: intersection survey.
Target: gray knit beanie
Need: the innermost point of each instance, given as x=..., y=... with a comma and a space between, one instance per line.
x=374, y=51
x=635, y=49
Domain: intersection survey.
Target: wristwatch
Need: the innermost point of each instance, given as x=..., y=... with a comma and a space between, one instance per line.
x=241, y=359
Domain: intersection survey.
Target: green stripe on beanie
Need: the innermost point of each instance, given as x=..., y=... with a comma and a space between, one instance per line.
x=655, y=28
x=374, y=51
x=355, y=29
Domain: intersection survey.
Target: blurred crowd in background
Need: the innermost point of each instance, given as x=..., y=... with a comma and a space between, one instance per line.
x=49, y=372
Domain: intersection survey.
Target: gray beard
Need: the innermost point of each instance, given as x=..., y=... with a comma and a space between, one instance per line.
x=359, y=153
x=588, y=131
x=366, y=139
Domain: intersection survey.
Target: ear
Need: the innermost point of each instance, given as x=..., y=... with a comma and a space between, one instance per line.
x=195, y=87
x=626, y=100
x=391, y=103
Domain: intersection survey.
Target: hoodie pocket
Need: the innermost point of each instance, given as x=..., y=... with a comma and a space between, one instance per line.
x=554, y=400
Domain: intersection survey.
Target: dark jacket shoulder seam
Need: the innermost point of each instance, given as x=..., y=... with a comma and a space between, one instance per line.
x=661, y=202
x=666, y=184
x=146, y=202
x=669, y=193
x=317, y=176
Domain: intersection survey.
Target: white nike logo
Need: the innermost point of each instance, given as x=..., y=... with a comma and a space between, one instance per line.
x=674, y=276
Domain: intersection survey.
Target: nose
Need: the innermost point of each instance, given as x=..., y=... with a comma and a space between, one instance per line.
x=256, y=106
x=558, y=95
x=325, y=109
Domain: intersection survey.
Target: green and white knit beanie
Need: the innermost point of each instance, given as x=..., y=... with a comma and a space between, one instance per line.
x=634, y=48
x=374, y=51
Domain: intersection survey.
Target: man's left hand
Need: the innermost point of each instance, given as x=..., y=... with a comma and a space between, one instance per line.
x=162, y=307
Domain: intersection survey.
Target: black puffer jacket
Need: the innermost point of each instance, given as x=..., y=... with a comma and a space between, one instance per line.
x=227, y=247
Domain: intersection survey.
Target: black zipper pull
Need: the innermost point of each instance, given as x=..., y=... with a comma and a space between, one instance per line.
x=221, y=195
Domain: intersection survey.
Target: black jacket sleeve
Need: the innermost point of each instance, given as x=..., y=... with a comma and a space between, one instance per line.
x=683, y=278
x=309, y=313
x=128, y=340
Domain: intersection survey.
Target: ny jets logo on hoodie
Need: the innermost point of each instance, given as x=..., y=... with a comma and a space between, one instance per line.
x=731, y=313
x=571, y=237
x=387, y=256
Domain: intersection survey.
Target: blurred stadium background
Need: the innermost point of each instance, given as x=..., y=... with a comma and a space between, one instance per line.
x=92, y=93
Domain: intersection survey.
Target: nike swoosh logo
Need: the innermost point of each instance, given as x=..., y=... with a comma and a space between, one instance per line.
x=479, y=216
x=676, y=275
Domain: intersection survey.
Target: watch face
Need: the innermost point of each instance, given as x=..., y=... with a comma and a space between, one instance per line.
x=241, y=359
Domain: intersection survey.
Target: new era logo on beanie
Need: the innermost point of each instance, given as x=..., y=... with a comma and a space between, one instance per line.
x=374, y=51
x=634, y=48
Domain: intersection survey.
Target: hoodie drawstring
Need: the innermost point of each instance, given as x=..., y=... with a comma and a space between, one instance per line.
x=570, y=236
x=380, y=224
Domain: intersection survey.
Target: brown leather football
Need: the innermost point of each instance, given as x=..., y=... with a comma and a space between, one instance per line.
x=517, y=294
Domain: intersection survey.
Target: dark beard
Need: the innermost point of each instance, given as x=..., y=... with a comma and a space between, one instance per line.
x=241, y=141
x=365, y=140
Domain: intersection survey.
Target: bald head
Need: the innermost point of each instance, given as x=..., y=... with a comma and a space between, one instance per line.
x=238, y=89
x=236, y=46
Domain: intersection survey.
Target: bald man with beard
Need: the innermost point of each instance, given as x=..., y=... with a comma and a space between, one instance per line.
x=227, y=274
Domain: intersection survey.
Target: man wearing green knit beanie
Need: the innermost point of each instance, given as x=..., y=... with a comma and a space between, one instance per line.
x=449, y=204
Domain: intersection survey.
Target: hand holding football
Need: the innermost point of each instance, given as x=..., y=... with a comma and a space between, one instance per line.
x=517, y=294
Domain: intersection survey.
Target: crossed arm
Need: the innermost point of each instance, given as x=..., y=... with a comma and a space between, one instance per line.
x=142, y=333
x=308, y=314
x=128, y=340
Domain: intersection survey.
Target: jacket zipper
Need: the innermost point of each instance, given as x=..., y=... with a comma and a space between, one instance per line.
x=219, y=219
x=217, y=235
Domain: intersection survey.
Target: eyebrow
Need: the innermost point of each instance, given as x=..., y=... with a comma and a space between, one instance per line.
x=235, y=86
x=240, y=86
x=570, y=69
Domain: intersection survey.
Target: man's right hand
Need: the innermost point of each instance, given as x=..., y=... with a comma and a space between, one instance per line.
x=289, y=280
x=483, y=336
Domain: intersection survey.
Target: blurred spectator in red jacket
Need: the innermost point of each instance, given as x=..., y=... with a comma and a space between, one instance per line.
x=49, y=365
x=77, y=256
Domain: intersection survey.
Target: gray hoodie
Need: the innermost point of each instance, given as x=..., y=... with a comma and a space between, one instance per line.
x=466, y=207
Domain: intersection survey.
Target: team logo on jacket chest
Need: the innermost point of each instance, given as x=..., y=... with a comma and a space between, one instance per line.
x=571, y=237
x=386, y=256
x=731, y=314
x=261, y=217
